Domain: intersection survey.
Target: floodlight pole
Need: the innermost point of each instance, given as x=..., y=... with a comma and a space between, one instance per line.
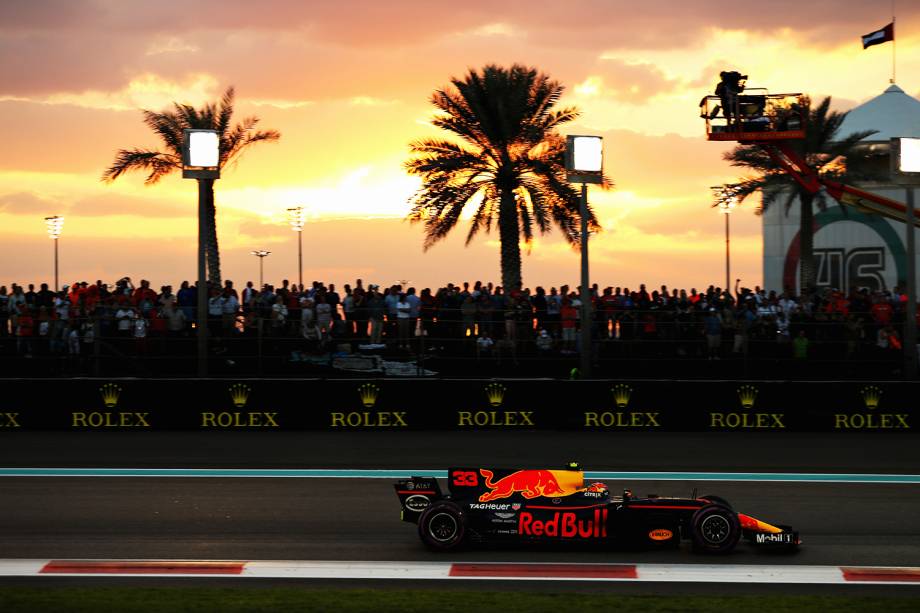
x=54, y=225
x=728, y=261
x=586, y=322
x=910, y=319
x=56, y=264
x=201, y=161
x=261, y=254
x=204, y=189
x=300, y=258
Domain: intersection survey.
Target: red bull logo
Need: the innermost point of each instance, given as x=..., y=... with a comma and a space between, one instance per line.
x=565, y=524
x=530, y=484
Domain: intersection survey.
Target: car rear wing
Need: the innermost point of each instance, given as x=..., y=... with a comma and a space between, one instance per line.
x=415, y=495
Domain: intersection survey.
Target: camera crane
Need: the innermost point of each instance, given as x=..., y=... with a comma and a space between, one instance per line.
x=772, y=122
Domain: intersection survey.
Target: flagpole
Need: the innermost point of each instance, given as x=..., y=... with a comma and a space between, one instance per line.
x=894, y=45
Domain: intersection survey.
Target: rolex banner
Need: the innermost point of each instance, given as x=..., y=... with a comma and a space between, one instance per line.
x=383, y=405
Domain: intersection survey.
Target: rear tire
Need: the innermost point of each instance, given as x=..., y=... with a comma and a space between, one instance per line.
x=715, y=529
x=442, y=526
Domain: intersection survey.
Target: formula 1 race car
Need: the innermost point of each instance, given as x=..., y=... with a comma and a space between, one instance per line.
x=491, y=505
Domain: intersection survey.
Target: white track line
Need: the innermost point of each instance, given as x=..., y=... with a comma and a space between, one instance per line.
x=666, y=573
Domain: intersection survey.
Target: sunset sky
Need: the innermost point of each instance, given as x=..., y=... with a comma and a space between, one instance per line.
x=347, y=84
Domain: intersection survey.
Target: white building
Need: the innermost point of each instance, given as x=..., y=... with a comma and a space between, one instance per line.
x=852, y=249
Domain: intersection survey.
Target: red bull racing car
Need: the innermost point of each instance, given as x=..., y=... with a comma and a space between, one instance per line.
x=488, y=505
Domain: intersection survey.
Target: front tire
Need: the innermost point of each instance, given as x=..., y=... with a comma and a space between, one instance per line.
x=442, y=526
x=715, y=529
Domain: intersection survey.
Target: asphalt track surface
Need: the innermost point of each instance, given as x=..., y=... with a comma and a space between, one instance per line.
x=358, y=519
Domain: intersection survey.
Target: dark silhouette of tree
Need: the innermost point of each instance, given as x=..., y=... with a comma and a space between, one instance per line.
x=825, y=151
x=169, y=126
x=509, y=164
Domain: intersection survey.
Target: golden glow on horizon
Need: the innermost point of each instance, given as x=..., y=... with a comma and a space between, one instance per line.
x=346, y=125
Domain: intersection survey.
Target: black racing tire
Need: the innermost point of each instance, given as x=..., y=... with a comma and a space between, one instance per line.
x=442, y=526
x=716, y=500
x=715, y=529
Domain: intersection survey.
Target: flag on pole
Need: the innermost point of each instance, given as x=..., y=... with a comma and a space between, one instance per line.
x=879, y=36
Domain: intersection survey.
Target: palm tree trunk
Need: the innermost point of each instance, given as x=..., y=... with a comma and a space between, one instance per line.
x=509, y=233
x=213, y=251
x=807, y=273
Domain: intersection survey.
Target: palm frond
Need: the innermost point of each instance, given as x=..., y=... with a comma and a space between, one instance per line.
x=157, y=163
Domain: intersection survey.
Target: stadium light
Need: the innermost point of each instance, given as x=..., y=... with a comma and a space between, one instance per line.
x=584, y=163
x=201, y=154
x=905, y=169
x=201, y=161
x=55, y=225
x=584, y=159
x=296, y=218
x=727, y=199
x=261, y=254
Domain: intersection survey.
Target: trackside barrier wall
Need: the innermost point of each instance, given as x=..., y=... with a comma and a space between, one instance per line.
x=384, y=404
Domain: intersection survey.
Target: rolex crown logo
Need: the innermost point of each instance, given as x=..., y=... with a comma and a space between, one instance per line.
x=495, y=392
x=239, y=394
x=871, y=396
x=110, y=393
x=368, y=393
x=621, y=394
x=747, y=394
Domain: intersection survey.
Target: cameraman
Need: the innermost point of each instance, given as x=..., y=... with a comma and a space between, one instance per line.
x=731, y=84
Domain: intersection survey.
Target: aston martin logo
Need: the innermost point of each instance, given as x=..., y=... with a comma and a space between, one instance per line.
x=871, y=396
x=110, y=393
x=368, y=393
x=495, y=393
x=239, y=394
x=747, y=394
x=621, y=394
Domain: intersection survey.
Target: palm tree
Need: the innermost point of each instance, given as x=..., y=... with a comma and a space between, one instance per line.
x=824, y=151
x=169, y=126
x=510, y=165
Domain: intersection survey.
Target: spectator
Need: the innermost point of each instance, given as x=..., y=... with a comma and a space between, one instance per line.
x=4, y=312
x=800, y=346
x=403, y=309
x=230, y=307
x=323, y=312
x=712, y=326
x=376, y=307
x=24, y=331
x=569, y=315
x=544, y=343
x=468, y=313
x=415, y=306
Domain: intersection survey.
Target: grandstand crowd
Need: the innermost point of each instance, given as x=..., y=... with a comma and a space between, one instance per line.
x=478, y=320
